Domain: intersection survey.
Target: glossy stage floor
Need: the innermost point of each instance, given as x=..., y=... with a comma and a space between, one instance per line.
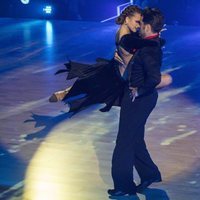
x=45, y=154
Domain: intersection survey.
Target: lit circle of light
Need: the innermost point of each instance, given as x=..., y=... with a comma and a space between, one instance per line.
x=25, y=1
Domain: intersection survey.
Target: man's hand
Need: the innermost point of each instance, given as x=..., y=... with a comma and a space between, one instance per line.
x=118, y=58
x=133, y=93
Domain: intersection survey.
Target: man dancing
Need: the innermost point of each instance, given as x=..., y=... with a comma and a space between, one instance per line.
x=140, y=97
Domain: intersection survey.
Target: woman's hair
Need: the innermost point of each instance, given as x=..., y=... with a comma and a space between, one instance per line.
x=154, y=17
x=127, y=12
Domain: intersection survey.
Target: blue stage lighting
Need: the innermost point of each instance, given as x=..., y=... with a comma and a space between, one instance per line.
x=49, y=33
x=25, y=1
x=47, y=9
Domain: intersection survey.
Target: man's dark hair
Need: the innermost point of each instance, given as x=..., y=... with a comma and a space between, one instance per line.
x=153, y=17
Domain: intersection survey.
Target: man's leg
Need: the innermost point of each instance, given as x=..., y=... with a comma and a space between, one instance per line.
x=122, y=167
x=123, y=155
x=144, y=165
x=146, y=168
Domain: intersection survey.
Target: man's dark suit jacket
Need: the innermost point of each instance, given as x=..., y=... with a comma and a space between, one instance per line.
x=144, y=68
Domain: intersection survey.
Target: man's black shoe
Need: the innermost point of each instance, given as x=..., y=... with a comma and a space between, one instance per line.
x=144, y=184
x=114, y=192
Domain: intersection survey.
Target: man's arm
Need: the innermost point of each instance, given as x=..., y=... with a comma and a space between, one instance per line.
x=130, y=42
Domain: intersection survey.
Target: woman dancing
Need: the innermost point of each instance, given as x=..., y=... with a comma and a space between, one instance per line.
x=103, y=82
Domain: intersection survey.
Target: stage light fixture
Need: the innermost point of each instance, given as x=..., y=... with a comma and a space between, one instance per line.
x=47, y=9
x=25, y=1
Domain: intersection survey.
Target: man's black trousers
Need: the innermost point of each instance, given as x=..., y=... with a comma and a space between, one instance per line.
x=130, y=150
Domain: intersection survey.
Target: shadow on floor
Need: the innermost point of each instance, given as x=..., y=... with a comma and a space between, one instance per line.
x=47, y=121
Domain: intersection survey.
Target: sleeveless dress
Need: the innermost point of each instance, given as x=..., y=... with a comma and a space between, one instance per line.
x=100, y=82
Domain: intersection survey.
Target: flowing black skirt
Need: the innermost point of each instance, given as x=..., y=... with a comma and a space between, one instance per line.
x=96, y=83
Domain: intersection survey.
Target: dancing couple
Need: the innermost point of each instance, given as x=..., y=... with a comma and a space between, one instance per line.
x=130, y=80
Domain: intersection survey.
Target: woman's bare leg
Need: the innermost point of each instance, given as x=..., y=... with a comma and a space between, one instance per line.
x=166, y=80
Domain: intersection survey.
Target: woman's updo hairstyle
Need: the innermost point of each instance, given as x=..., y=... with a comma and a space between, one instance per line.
x=127, y=12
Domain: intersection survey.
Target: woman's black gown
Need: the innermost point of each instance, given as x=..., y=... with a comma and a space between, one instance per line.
x=100, y=82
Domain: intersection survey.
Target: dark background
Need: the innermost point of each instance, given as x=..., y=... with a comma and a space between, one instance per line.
x=183, y=12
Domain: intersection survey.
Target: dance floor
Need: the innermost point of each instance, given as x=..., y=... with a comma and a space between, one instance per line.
x=45, y=154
